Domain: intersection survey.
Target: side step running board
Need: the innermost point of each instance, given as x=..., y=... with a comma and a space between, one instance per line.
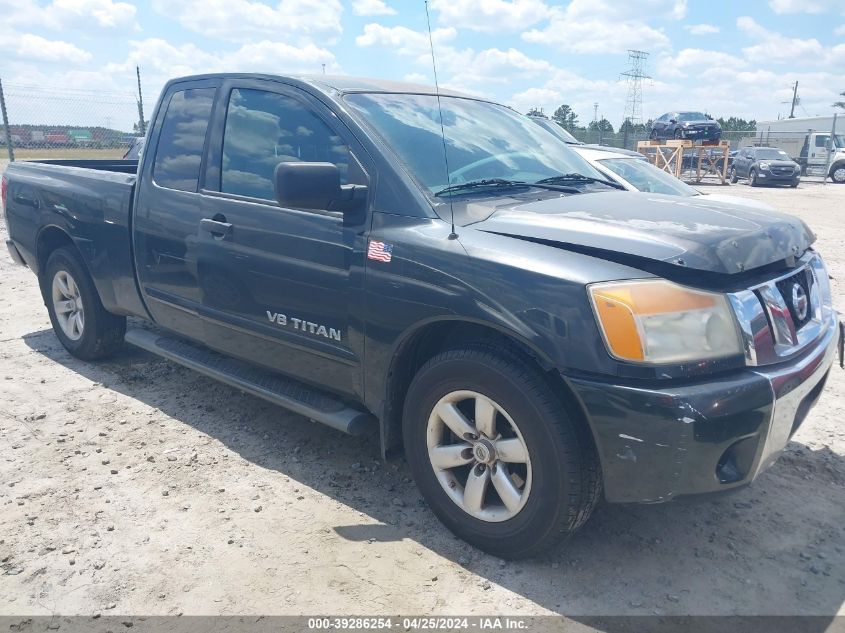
x=281, y=390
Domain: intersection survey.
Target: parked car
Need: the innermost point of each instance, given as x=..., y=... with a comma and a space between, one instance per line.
x=765, y=166
x=567, y=138
x=686, y=125
x=818, y=153
x=531, y=336
x=638, y=174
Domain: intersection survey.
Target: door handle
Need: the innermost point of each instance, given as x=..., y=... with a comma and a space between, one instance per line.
x=217, y=228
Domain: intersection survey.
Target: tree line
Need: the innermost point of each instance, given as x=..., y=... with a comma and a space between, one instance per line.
x=565, y=116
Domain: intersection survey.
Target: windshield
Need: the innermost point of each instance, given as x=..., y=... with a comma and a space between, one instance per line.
x=556, y=129
x=691, y=116
x=771, y=154
x=646, y=177
x=483, y=140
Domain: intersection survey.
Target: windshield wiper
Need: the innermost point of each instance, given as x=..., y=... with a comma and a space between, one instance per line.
x=503, y=183
x=575, y=177
x=484, y=182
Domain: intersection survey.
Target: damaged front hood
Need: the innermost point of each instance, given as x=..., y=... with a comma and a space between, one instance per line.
x=693, y=233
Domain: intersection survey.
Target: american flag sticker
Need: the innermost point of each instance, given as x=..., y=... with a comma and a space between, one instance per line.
x=380, y=251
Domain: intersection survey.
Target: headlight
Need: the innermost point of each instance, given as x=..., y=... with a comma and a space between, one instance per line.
x=797, y=169
x=764, y=165
x=657, y=321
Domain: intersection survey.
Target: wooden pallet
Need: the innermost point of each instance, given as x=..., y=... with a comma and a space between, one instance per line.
x=669, y=156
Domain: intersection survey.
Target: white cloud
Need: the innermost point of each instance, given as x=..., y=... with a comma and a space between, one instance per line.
x=403, y=40
x=491, y=16
x=246, y=20
x=773, y=47
x=695, y=60
x=840, y=30
x=459, y=68
x=161, y=60
x=702, y=29
x=804, y=6
x=35, y=48
x=601, y=26
x=371, y=7
x=69, y=14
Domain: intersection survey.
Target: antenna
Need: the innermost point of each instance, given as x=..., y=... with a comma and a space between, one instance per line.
x=452, y=235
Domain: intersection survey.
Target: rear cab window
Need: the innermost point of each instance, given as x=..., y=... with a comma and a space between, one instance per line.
x=180, y=144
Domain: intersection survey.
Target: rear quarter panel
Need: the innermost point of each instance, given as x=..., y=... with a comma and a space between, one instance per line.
x=92, y=207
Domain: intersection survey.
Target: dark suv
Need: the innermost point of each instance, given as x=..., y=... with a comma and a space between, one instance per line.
x=765, y=165
x=686, y=125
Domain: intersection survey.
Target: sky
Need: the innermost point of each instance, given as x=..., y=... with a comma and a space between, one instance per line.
x=724, y=57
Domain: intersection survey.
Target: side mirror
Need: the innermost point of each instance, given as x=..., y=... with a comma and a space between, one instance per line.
x=316, y=186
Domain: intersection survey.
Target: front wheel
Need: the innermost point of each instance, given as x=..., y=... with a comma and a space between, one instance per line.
x=495, y=453
x=752, y=178
x=79, y=319
x=837, y=174
x=678, y=135
x=734, y=176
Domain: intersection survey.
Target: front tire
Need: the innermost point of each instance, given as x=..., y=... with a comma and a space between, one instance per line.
x=752, y=178
x=495, y=453
x=734, y=176
x=679, y=135
x=81, y=323
x=837, y=174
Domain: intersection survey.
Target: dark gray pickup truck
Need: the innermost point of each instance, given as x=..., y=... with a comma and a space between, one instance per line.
x=532, y=338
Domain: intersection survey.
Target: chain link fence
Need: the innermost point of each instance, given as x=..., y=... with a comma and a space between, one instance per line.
x=47, y=122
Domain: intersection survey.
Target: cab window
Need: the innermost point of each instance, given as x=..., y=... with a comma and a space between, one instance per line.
x=180, y=144
x=264, y=129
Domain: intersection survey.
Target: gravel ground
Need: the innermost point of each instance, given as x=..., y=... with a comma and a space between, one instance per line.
x=134, y=486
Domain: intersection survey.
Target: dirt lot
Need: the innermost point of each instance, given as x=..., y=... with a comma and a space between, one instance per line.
x=137, y=487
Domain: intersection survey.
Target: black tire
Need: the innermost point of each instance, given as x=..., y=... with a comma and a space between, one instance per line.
x=652, y=135
x=752, y=178
x=837, y=173
x=102, y=333
x=566, y=475
x=678, y=135
x=734, y=177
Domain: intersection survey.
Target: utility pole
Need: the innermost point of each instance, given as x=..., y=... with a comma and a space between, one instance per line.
x=595, y=112
x=141, y=125
x=324, y=69
x=6, y=125
x=794, y=100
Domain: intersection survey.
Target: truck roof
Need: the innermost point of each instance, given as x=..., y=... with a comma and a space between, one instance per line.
x=338, y=84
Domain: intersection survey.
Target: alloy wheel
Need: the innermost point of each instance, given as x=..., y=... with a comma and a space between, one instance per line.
x=479, y=456
x=67, y=304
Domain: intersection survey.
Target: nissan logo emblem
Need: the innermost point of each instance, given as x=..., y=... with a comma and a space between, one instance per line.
x=799, y=301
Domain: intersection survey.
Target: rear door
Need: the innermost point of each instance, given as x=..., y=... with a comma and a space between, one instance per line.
x=277, y=284
x=168, y=209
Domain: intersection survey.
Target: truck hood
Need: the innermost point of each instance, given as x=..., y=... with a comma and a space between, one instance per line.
x=694, y=233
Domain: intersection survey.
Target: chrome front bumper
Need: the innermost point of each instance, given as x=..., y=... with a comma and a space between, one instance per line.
x=795, y=389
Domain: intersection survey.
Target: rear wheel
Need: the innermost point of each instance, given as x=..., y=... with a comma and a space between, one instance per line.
x=495, y=453
x=79, y=319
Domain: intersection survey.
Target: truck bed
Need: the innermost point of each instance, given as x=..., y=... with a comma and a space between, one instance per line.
x=89, y=200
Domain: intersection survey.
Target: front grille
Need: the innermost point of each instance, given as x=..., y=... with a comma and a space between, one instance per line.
x=787, y=287
x=780, y=318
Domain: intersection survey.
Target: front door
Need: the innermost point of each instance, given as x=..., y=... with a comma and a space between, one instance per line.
x=169, y=207
x=276, y=283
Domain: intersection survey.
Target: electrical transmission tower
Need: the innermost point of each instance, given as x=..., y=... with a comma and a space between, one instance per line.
x=634, y=77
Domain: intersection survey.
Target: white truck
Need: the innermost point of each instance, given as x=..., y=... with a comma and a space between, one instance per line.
x=816, y=143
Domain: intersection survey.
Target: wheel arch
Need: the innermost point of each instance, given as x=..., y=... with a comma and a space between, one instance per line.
x=428, y=339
